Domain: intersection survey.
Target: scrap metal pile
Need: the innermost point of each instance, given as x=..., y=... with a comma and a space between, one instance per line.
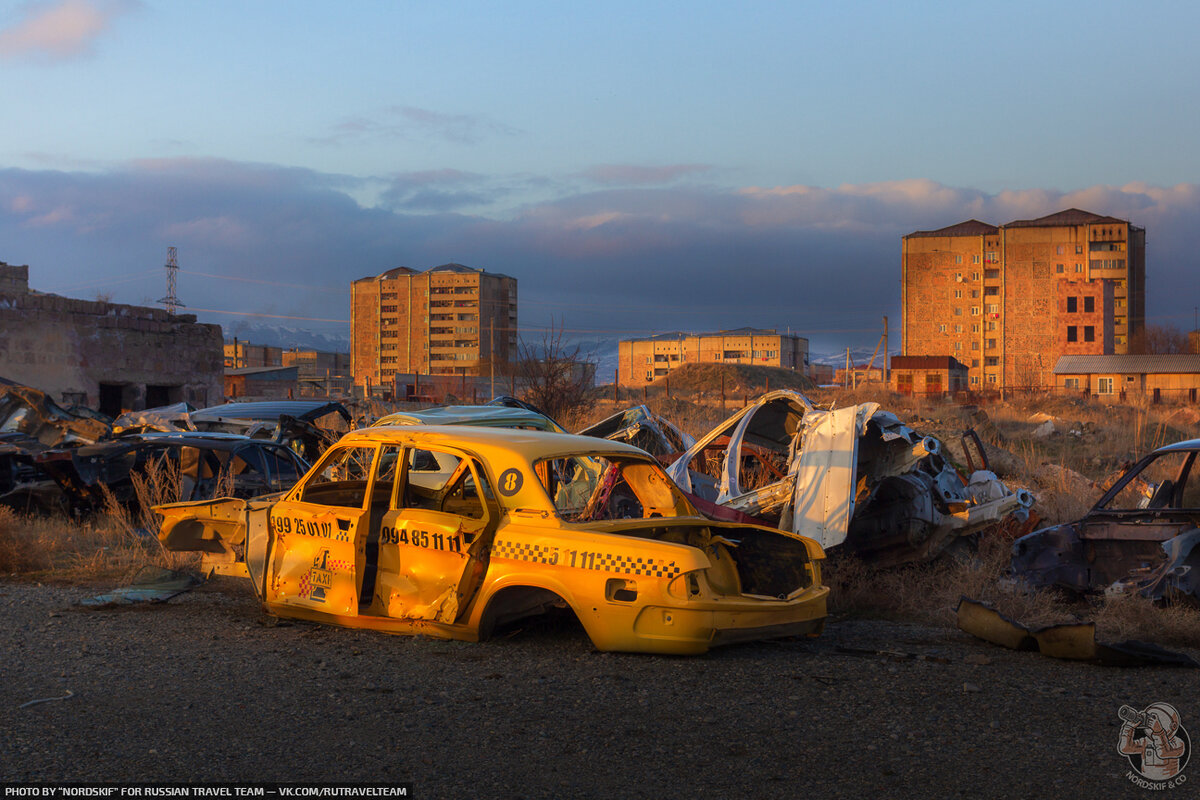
x=854, y=477
x=55, y=459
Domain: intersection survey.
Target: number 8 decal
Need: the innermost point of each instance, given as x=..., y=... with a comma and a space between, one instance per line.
x=510, y=482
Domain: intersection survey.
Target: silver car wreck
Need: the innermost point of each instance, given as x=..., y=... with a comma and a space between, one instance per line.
x=1141, y=536
x=854, y=477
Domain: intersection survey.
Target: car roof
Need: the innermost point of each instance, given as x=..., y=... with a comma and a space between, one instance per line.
x=528, y=445
x=1189, y=444
x=495, y=416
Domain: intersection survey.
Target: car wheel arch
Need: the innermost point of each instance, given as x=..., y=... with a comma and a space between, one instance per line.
x=519, y=599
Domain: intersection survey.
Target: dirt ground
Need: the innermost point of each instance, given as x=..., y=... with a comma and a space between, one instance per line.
x=206, y=688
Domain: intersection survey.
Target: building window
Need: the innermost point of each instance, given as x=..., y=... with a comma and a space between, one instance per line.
x=958, y=311
x=991, y=274
x=974, y=293
x=1058, y=268
x=941, y=328
x=958, y=329
x=991, y=344
x=991, y=291
x=1089, y=333
x=993, y=308
x=1089, y=305
x=974, y=380
x=991, y=361
x=1071, y=383
x=958, y=293
x=1059, y=250
x=1072, y=333
x=974, y=362
x=992, y=378
x=958, y=345
x=991, y=257
x=975, y=328
x=975, y=275
x=1078, y=249
x=974, y=311
x=1079, y=267
x=1072, y=305
x=975, y=345
x=1104, y=386
x=958, y=260
x=975, y=258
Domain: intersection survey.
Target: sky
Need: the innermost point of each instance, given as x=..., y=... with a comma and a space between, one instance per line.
x=639, y=168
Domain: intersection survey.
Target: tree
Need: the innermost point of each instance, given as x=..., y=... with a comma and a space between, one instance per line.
x=1158, y=339
x=555, y=376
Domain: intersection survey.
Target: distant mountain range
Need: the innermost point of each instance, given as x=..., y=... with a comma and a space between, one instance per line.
x=288, y=337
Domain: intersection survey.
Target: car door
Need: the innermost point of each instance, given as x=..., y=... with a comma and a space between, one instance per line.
x=320, y=531
x=434, y=539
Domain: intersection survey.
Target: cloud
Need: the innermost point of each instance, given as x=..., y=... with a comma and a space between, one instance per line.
x=634, y=175
x=411, y=123
x=63, y=30
x=822, y=261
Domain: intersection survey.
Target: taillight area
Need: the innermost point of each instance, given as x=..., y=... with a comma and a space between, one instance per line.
x=685, y=586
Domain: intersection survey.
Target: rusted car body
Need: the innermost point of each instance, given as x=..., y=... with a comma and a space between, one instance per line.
x=451, y=531
x=1142, y=536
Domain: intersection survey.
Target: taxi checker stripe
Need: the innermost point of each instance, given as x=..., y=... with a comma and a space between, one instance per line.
x=605, y=562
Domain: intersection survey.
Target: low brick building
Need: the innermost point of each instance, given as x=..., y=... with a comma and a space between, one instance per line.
x=108, y=356
x=928, y=375
x=643, y=361
x=1162, y=378
x=267, y=383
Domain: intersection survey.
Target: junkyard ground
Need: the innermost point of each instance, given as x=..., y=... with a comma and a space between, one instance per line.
x=204, y=689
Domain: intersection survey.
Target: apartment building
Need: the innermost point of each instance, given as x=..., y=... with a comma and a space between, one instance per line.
x=448, y=320
x=643, y=361
x=1009, y=300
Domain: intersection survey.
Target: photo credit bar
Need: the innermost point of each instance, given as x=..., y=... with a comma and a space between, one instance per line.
x=196, y=791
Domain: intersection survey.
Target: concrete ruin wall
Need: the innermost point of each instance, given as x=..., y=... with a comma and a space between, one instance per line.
x=68, y=348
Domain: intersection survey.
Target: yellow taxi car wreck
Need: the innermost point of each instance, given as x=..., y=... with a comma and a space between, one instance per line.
x=452, y=531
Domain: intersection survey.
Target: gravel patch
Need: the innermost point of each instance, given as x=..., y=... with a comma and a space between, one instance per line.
x=207, y=688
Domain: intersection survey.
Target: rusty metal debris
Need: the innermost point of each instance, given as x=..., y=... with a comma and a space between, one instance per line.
x=307, y=426
x=854, y=477
x=641, y=427
x=1140, y=537
x=1074, y=641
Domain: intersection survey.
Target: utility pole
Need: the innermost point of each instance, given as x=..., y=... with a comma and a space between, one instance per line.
x=492, y=352
x=886, y=379
x=172, y=267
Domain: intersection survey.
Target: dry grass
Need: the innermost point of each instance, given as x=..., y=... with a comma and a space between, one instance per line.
x=59, y=548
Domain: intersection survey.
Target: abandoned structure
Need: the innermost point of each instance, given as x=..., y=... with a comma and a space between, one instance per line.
x=1158, y=378
x=931, y=376
x=103, y=355
x=643, y=361
x=448, y=320
x=1009, y=300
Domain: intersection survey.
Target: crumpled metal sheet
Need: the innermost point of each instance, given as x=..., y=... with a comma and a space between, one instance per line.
x=855, y=477
x=31, y=412
x=1072, y=641
x=149, y=585
x=176, y=417
x=641, y=427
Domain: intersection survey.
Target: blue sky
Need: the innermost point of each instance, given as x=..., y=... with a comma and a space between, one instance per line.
x=639, y=167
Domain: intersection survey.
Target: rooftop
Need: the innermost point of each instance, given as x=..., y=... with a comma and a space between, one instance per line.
x=399, y=272
x=1155, y=363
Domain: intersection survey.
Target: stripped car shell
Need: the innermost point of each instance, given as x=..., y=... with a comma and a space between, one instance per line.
x=1140, y=537
x=641, y=427
x=854, y=476
x=450, y=531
